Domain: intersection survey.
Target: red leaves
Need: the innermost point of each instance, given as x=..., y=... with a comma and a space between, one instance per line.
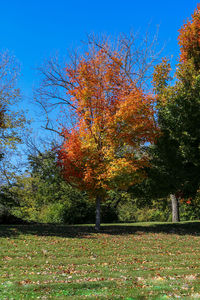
x=71, y=149
x=114, y=118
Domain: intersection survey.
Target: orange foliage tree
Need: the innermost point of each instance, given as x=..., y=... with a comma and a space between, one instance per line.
x=189, y=39
x=113, y=120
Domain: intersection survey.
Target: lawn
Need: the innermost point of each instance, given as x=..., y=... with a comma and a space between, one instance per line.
x=129, y=261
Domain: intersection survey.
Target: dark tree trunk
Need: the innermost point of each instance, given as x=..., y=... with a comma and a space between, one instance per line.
x=175, y=208
x=98, y=212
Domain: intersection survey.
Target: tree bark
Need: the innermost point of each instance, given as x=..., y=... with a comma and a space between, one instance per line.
x=98, y=212
x=175, y=208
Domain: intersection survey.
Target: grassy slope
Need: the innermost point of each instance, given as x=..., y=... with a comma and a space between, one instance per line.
x=129, y=261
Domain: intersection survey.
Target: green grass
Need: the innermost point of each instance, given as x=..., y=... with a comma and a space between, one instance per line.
x=129, y=261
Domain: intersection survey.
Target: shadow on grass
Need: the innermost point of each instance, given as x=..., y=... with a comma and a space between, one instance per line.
x=61, y=290
x=80, y=231
x=70, y=289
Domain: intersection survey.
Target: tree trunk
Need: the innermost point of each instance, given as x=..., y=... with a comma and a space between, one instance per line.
x=175, y=208
x=98, y=213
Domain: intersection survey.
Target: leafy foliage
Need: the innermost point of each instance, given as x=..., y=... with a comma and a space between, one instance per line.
x=189, y=40
x=44, y=196
x=176, y=154
x=161, y=77
x=41, y=194
x=113, y=119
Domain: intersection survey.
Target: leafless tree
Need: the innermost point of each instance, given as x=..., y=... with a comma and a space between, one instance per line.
x=11, y=119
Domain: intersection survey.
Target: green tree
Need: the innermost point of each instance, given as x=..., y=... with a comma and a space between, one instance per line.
x=41, y=194
x=176, y=155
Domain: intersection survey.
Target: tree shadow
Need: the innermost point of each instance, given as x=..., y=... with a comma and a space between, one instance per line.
x=81, y=231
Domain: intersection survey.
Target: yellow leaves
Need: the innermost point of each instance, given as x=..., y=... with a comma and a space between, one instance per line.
x=120, y=173
x=161, y=75
x=117, y=166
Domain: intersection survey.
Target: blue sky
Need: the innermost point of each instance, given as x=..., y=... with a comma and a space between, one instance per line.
x=34, y=30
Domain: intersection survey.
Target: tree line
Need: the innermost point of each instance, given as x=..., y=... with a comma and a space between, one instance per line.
x=129, y=133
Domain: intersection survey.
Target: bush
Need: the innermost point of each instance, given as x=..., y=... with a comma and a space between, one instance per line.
x=130, y=210
x=68, y=212
x=52, y=213
x=190, y=208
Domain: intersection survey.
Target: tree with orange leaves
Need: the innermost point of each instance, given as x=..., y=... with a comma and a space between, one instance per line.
x=113, y=120
x=189, y=39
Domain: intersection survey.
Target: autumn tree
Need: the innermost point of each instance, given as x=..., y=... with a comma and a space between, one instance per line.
x=113, y=119
x=176, y=154
x=135, y=57
x=138, y=55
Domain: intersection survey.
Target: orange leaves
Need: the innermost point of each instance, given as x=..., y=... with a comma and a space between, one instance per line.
x=114, y=118
x=189, y=39
x=134, y=120
x=71, y=150
x=97, y=84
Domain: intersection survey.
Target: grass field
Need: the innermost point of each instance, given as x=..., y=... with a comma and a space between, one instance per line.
x=129, y=261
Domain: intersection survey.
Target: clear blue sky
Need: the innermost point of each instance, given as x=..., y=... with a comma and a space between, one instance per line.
x=34, y=30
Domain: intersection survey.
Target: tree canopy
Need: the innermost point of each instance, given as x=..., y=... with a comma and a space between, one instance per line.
x=113, y=119
x=176, y=154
